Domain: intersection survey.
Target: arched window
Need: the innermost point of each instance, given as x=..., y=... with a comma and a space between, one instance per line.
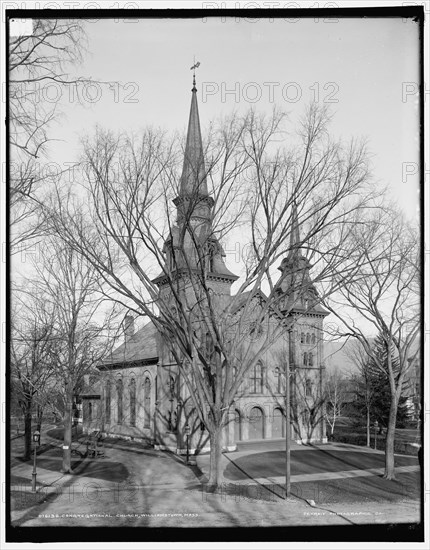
x=147, y=403
x=256, y=379
x=302, y=338
x=308, y=338
x=108, y=401
x=313, y=338
x=119, y=400
x=172, y=259
x=211, y=259
x=132, y=389
x=311, y=359
x=305, y=359
x=308, y=387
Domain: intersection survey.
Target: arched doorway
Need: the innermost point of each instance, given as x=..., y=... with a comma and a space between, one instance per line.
x=278, y=425
x=256, y=424
x=237, y=426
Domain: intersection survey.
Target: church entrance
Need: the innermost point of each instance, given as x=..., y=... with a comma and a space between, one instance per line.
x=256, y=424
x=278, y=424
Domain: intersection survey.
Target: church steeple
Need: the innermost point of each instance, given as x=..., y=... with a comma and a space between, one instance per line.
x=193, y=179
x=295, y=232
x=191, y=243
x=296, y=285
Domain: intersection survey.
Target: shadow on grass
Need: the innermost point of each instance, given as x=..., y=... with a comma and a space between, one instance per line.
x=23, y=500
x=272, y=463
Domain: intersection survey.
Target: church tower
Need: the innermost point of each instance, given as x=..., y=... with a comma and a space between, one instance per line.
x=299, y=301
x=191, y=245
x=191, y=251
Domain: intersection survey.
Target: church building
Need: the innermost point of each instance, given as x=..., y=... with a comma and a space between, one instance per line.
x=140, y=394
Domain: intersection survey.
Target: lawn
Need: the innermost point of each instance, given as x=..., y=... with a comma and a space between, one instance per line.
x=346, y=431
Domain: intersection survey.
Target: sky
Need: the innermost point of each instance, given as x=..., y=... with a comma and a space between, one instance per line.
x=365, y=69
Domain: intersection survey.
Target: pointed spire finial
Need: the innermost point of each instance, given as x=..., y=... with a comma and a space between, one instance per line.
x=193, y=68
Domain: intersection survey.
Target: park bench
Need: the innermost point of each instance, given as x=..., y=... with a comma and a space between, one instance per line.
x=95, y=445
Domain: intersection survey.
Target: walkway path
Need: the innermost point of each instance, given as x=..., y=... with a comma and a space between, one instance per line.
x=135, y=485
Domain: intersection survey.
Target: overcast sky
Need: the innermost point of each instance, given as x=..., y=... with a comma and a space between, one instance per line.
x=367, y=69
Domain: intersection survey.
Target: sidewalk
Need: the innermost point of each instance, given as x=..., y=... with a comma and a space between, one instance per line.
x=138, y=486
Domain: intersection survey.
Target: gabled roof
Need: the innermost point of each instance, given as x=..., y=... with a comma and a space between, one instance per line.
x=142, y=346
x=316, y=309
x=241, y=300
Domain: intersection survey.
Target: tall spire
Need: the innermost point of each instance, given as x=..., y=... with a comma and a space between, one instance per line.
x=294, y=256
x=295, y=234
x=296, y=286
x=193, y=179
x=191, y=239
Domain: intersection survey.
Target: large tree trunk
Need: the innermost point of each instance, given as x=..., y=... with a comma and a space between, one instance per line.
x=67, y=443
x=215, y=473
x=27, y=432
x=389, y=442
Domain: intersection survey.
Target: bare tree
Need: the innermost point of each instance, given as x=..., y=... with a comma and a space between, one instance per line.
x=81, y=333
x=386, y=297
x=335, y=394
x=363, y=382
x=254, y=180
x=40, y=75
x=32, y=330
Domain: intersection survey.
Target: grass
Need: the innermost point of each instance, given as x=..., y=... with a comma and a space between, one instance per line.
x=346, y=432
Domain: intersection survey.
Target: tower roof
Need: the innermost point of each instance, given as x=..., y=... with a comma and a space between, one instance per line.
x=193, y=179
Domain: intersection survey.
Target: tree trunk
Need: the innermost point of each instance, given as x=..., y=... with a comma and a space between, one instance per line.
x=368, y=427
x=27, y=433
x=67, y=451
x=389, y=442
x=215, y=473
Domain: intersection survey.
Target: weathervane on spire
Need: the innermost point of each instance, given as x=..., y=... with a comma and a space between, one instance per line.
x=193, y=68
